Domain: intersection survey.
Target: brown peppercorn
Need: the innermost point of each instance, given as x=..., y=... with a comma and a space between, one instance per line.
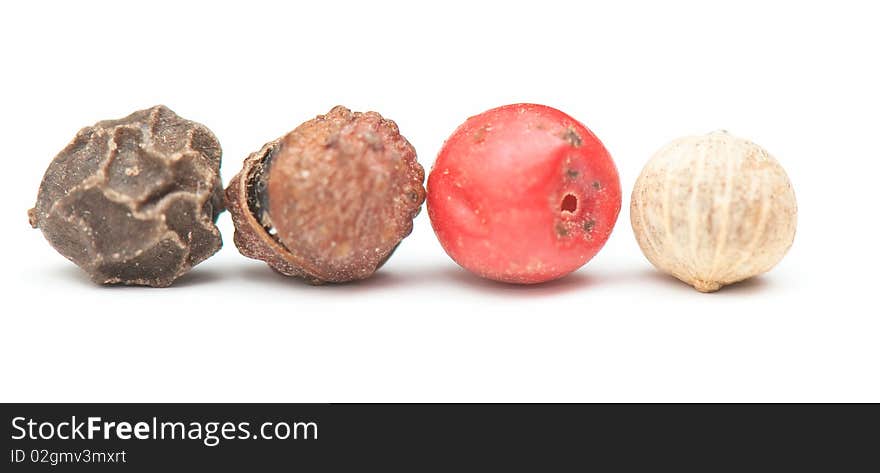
x=134, y=201
x=331, y=200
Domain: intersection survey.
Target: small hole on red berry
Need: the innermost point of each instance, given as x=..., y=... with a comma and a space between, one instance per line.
x=569, y=203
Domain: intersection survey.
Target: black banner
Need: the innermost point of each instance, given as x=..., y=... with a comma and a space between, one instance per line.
x=416, y=437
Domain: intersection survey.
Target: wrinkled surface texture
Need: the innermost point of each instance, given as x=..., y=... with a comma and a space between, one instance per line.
x=329, y=201
x=523, y=194
x=712, y=210
x=134, y=201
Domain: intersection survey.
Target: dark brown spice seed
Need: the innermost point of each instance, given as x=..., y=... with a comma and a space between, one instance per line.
x=134, y=201
x=331, y=200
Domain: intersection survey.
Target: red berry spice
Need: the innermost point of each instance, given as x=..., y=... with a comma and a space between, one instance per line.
x=523, y=194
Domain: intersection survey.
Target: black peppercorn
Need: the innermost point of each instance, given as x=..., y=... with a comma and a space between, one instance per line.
x=331, y=200
x=134, y=201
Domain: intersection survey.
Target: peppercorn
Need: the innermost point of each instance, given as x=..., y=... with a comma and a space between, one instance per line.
x=523, y=194
x=713, y=210
x=134, y=201
x=329, y=201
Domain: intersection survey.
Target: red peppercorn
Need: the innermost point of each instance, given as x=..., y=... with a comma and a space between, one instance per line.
x=523, y=194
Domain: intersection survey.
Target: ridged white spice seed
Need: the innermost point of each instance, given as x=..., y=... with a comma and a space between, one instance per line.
x=712, y=210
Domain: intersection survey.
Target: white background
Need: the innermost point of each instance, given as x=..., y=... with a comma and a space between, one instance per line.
x=799, y=78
